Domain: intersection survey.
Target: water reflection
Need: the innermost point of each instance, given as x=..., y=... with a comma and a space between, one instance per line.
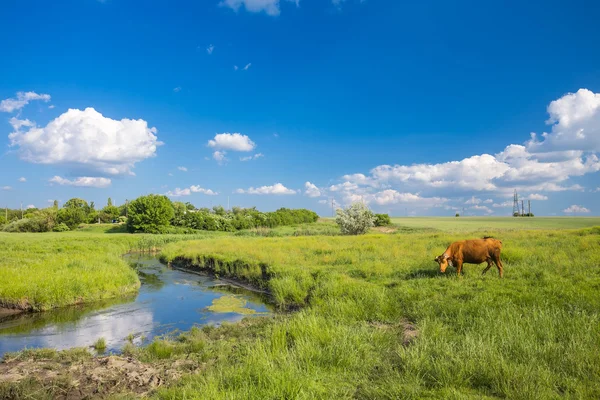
x=168, y=300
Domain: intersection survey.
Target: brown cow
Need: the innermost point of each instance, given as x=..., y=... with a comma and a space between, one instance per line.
x=472, y=252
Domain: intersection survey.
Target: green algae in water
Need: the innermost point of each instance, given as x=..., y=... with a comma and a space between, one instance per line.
x=230, y=304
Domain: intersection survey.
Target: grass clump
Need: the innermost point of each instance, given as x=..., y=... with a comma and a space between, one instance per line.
x=100, y=345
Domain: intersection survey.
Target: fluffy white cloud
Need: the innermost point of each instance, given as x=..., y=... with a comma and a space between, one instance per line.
x=22, y=99
x=485, y=209
x=188, y=191
x=277, y=188
x=536, y=196
x=390, y=196
x=536, y=167
x=270, y=7
x=232, y=141
x=503, y=205
x=576, y=209
x=177, y=89
x=30, y=206
x=83, y=181
x=311, y=190
x=6, y=188
x=210, y=49
x=219, y=156
x=254, y=157
x=575, y=120
x=86, y=139
x=22, y=179
x=184, y=169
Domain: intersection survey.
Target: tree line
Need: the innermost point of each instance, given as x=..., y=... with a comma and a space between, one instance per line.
x=148, y=214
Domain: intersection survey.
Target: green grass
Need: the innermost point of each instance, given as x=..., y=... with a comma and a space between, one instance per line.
x=534, y=334
x=351, y=307
x=471, y=224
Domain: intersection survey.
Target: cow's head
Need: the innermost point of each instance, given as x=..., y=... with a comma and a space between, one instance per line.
x=443, y=262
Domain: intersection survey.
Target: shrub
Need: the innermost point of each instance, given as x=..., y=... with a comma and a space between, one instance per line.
x=61, y=228
x=355, y=220
x=457, y=215
x=382, y=220
x=150, y=214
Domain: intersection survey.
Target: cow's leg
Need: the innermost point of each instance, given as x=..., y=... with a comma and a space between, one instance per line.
x=489, y=262
x=459, y=264
x=499, y=264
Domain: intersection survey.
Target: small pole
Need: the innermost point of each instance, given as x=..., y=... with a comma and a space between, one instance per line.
x=21, y=210
x=227, y=203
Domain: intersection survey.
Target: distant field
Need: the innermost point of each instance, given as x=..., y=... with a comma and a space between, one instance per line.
x=491, y=223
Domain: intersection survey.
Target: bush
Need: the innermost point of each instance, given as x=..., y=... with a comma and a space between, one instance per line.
x=61, y=228
x=355, y=220
x=150, y=214
x=382, y=220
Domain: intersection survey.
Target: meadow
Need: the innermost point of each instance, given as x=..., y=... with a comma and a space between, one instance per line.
x=371, y=316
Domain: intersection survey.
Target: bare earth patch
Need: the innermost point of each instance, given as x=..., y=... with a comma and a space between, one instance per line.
x=384, y=229
x=91, y=378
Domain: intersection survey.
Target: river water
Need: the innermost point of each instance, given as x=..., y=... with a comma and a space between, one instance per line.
x=169, y=300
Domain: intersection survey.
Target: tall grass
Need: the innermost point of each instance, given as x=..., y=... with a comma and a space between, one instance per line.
x=533, y=334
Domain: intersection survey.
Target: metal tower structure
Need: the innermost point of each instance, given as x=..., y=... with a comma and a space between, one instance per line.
x=516, y=211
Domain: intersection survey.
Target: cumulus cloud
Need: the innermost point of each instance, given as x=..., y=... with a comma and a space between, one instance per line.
x=21, y=100
x=232, y=141
x=576, y=209
x=503, y=205
x=311, y=190
x=536, y=196
x=537, y=167
x=184, y=169
x=86, y=140
x=219, y=156
x=210, y=49
x=254, y=157
x=83, y=181
x=188, y=191
x=277, y=189
x=485, y=209
x=22, y=179
x=30, y=206
x=6, y=188
x=270, y=7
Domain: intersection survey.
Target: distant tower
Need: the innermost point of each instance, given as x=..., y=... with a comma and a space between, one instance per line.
x=516, y=204
x=529, y=208
x=522, y=208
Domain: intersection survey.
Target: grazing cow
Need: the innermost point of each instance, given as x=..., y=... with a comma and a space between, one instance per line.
x=472, y=252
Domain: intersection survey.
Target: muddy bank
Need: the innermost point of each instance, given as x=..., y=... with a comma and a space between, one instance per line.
x=4, y=312
x=88, y=377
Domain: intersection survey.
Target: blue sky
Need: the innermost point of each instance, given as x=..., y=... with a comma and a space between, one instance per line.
x=421, y=109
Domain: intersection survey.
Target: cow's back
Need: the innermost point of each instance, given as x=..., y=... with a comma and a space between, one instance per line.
x=478, y=251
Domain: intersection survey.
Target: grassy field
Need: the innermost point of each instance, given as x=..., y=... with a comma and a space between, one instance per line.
x=371, y=317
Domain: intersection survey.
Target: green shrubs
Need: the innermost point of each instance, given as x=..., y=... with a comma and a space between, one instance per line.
x=382, y=220
x=355, y=220
x=150, y=214
x=60, y=228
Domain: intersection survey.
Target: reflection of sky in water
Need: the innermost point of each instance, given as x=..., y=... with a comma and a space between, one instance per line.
x=168, y=300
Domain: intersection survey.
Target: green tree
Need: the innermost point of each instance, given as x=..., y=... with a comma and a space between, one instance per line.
x=74, y=212
x=355, y=220
x=179, y=211
x=150, y=214
x=109, y=202
x=55, y=205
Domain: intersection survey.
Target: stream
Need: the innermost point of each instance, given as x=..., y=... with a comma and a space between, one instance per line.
x=169, y=300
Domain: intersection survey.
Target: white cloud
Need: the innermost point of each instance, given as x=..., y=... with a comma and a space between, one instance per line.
x=30, y=206
x=235, y=68
x=311, y=190
x=473, y=200
x=83, y=181
x=22, y=99
x=232, y=141
x=270, y=7
x=51, y=106
x=254, y=157
x=219, y=156
x=277, y=189
x=210, y=49
x=576, y=209
x=177, y=89
x=536, y=196
x=503, y=205
x=188, y=191
x=86, y=139
x=575, y=120
x=323, y=201
x=6, y=188
x=481, y=208
x=184, y=169
x=247, y=67
x=597, y=190
x=488, y=201
x=22, y=179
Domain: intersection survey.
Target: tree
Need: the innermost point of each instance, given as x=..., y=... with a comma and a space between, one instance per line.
x=55, y=204
x=179, y=211
x=109, y=202
x=457, y=215
x=150, y=214
x=382, y=220
x=355, y=220
x=74, y=212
